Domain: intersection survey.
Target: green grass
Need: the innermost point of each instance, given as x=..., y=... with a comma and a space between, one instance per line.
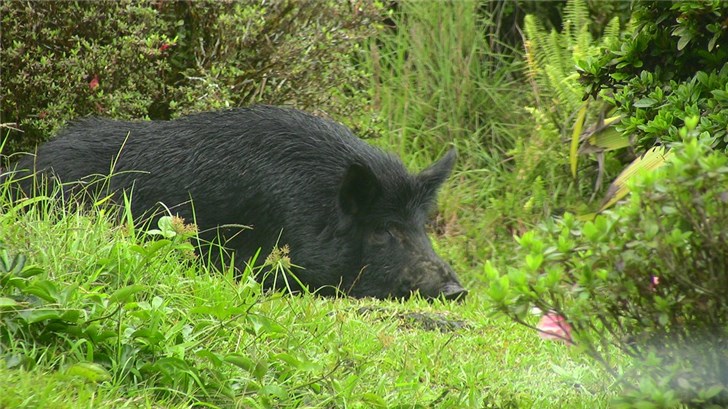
x=103, y=315
x=442, y=79
x=176, y=334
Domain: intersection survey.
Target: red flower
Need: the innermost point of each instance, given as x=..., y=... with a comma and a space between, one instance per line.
x=164, y=47
x=94, y=83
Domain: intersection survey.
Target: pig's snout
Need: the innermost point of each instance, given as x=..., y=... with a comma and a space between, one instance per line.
x=454, y=292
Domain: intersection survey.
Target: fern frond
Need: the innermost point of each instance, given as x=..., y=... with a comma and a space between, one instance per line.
x=611, y=31
x=551, y=56
x=583, y=46
x=576, y=16
x=566, y=89
x=556, y=53
x=535, y=34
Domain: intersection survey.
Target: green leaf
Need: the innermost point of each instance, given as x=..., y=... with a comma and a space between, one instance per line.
x=122, y=294
x=590, y=231
x=221, y=311
x=44, y=289
x=241, y=361
x=11, y=264
x=533, y=262
x=103, y=200
x=645, y=103
x=33, y=316
x=683, y=41
x=153, y=248
x=711, y=43
x=211, y=356
x=373, y=400
x=8, y=303
x=262, y=324
x=304, y=365
x=274, y=390
x=150, y=335
x=29, y=202
x=30, y=272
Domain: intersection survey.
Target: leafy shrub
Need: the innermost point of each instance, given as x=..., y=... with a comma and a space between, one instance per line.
x=158, y=60
x=649, y=278
x=671, y=66
x=66, y=59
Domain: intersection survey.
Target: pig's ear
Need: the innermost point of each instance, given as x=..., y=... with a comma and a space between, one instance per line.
x=360, y=188
x=432, y=178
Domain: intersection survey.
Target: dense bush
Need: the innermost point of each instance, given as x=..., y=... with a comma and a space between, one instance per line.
x=671, y=66
x=66, y=59
x=158, y=60
x=648, y=277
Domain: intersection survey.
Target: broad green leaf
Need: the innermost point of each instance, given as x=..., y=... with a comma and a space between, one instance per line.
x=645, y=103
x=33, y=316
x=30, y=272
x=257, y=368
x=8, y=302
x=44, y=289
x=153, y=248
x=12, y=264
x=240, y=361
x=261, y=368
x=304, y=365
x=683, y=41
x=211, y=356
x=122, y=294
x=289, y=359
x=262, y=324
x=274, y=390
x=533, y=262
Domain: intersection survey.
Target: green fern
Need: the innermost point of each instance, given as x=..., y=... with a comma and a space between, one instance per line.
x=552, y=57
x=576, y=16
x=612, y=30
x=551, y=61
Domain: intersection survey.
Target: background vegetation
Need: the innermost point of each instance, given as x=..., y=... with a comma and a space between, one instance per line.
x=163, y=59
x=553, y=106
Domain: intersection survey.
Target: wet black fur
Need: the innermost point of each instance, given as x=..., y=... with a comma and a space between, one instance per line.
x=351, y=214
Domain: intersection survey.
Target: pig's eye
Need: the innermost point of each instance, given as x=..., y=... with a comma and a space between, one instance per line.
x=384, y=236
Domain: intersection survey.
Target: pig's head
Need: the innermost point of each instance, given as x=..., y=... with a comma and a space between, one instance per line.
x=387, y=209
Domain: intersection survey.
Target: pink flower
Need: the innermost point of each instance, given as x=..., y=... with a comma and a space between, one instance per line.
x=654, y=282
x=94, y=82
x=554, y=326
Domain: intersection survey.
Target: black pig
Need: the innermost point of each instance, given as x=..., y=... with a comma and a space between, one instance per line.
x=351, y=215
